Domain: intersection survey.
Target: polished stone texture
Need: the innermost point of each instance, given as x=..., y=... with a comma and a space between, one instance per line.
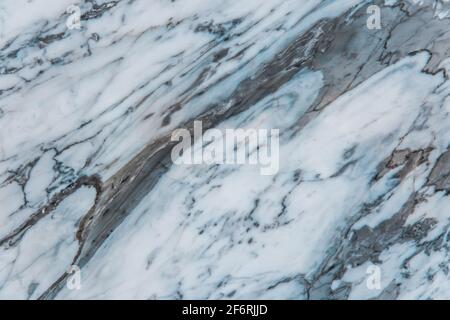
x=87, y=179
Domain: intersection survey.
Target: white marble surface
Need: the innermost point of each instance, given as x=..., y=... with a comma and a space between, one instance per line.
x=82, y=104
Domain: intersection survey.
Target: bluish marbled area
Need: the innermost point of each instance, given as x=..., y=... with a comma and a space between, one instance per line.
x=85, y=122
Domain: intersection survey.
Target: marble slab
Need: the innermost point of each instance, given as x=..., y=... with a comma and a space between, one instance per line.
x=93, y=206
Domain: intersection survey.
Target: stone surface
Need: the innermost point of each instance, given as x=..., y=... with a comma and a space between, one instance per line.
x=87, y=179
